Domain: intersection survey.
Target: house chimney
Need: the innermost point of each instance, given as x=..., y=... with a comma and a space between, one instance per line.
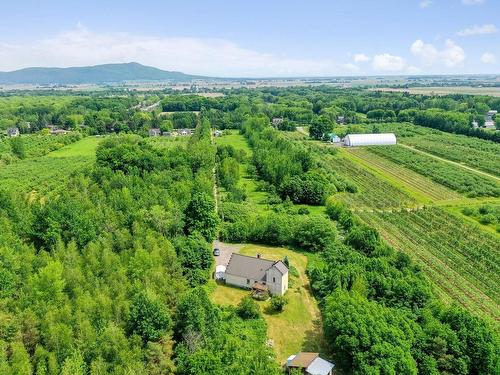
x=258, y=255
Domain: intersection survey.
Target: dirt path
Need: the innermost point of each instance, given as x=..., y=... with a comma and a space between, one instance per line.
x=451, y=162
x=301, y=130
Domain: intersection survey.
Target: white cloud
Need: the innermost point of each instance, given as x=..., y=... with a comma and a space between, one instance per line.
x=488, y=58
x=478, y=30
x=425, y=3
x=472, y=2
x=451, y=55
x=389, y=63
x=215, y=57
x=361, y=57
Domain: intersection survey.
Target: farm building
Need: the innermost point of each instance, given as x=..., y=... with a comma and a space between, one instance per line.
x=309, y=364
x=13, y=132
x=257, y=273
x=352, y=140
x=154, y=132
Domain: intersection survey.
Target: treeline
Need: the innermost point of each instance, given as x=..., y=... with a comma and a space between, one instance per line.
x=109, y=276
x=288, y=167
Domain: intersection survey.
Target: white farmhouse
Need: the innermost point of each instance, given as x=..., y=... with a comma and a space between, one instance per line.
x=257, y=273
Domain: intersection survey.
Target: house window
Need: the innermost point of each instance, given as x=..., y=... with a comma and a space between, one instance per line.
x=274, y=279
x=248, y=281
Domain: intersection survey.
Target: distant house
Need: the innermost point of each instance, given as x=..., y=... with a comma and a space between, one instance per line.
x=488, y=119
x=185, y=131
x=257, y=273
x=475, y=124
x=154, y=132
x=340, y=120
x=309, y=364
x=59, y=132
x=277, y=120
x=167, y=134
x=13, y=132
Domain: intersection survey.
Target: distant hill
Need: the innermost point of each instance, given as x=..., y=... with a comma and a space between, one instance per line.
x=107, y=73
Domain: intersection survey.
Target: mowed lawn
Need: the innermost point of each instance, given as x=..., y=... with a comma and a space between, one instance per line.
x=45, y=173
x=298, y=327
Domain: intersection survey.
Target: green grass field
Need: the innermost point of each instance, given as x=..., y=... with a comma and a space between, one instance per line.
x=255, y=197
x=167, y=142
x=298, y=327
x=46, y=173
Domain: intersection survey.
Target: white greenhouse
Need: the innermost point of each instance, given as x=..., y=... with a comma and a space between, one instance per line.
x=380, y=139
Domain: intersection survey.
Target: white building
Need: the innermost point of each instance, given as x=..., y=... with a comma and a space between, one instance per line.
x=13, y=132
x=257, y=273
x=352, y=140
x=309, y=364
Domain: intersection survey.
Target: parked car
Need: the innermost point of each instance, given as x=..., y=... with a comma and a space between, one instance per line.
x=216, y=252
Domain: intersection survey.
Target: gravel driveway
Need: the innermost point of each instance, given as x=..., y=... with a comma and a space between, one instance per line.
x=226, y=249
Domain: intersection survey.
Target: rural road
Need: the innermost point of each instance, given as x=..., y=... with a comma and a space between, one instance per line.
x=451, y=162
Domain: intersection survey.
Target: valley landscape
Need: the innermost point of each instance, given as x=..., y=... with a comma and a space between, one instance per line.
x=163, y=221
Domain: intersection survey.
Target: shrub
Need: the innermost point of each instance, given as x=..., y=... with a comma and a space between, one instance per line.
x=278, y=303
x=314, y=233
x=248, y=308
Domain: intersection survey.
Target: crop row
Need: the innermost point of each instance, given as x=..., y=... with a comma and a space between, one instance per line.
x=454, y=177
x=459, y=258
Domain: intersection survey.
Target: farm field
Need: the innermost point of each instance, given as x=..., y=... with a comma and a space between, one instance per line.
x=464, y=264
x=454, y=177
x=46, y=173
x=421, y=187
x=477, y=153
x=298, y=327
x=374, y=192
x=491, y=91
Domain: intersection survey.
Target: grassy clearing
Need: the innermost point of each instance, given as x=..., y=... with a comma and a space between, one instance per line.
x=298, y=327
x=46, y=173
x=167, y=142
x=422, y=188
x=461, y=260
x=256, y=198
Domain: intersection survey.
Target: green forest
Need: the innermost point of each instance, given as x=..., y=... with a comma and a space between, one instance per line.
x=106, y=233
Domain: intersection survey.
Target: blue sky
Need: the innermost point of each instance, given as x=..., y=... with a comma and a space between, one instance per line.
x=256, y=38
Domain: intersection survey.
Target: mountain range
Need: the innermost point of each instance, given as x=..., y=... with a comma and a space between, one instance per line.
x=98, y=74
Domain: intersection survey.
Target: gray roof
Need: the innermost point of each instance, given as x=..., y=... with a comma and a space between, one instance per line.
x=320, y=367
x=251, y=267
x=280, y=266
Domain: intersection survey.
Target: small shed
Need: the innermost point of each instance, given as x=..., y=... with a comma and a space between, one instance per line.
x=379, y=139
x=309, y=364
x=220, y=272
x=13, y=132
x=154, y=132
